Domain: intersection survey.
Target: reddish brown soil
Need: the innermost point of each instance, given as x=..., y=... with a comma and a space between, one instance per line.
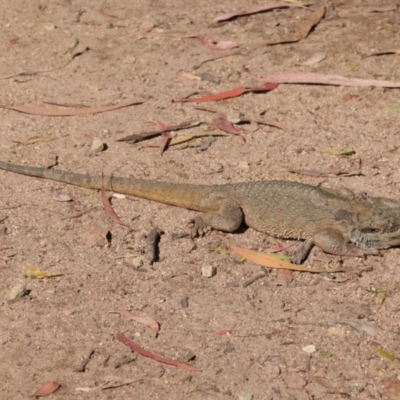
x=46, y=334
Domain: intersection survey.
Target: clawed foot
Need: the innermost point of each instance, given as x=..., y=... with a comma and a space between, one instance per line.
x=198, y=228
x=302, y=252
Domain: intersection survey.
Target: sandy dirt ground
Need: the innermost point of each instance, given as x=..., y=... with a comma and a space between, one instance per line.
x=286, y=335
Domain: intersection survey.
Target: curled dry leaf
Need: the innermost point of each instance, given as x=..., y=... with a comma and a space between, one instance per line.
x=263, y=121
x=252, y=10
x=383, y=53
x=148, y=135
x=266, y=87
x=145, y=320
x=222, y=123
x=47, y=388
x=219, y=96
x=38, y=139
x=322, y=79
x=165, y=136
x=108, y=208
x=135, y=347
x=182, y=139
x=63, y=112
x=317, y=172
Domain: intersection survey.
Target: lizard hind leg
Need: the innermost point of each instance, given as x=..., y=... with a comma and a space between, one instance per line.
x=227, y=216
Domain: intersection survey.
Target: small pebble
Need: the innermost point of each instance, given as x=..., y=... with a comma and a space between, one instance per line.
x=235, y=117
x=147, y=26
x=17, y=292
x=118, y=196
x=309, y=349
x=185, y=302
x=97, y=240
x=129, y=60
x=216, y=167
x=48, y=26
x=243, y=165
x=138, y=262
x=97, y=145
x=208, y=271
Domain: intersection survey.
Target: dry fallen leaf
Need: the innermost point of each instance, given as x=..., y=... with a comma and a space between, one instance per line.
x=252, y=10
x=38, y=139
x=317, y=172
x=135, y=347
x=165, y=136
x=108, y=208
x=221, y=122
x=137, y=137
x=231, y=93
x=322, y=79
x=145, y=320
x=182, y=139
x=272, y=261
x=269, y=123
x=47, y=388
x=383, y=53
x=37, y=273
x=64, y=112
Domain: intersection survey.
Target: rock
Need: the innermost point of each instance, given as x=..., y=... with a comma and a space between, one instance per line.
x=17, y=292
x=208, y=271
x=97, y=145
x=309, y=349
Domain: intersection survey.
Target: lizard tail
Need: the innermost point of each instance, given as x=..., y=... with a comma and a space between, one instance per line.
x=180, y=195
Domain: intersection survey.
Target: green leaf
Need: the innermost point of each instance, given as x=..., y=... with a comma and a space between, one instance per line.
x=346, y=152
x=385, y=354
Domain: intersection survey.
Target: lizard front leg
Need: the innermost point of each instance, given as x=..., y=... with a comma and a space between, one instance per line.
x=379, y=240
x=333, y=241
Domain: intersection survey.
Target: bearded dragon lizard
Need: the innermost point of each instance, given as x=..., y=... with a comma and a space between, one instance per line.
x=339, y=222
